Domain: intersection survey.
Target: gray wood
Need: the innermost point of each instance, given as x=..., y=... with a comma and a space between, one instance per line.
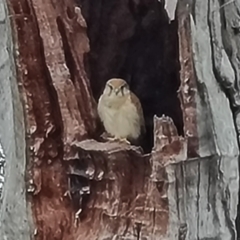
x=199, y=196
x=208, y=185
x=15, y=220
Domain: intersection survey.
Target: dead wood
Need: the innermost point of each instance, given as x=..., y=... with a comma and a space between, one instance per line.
x=62, y=182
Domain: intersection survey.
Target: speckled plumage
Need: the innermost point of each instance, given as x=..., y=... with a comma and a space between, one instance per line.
x=120, y=111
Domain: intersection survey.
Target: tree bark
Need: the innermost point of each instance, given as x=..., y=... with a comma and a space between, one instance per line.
x=62, y=181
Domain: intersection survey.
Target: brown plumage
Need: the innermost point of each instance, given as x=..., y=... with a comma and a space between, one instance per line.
x=120, y=111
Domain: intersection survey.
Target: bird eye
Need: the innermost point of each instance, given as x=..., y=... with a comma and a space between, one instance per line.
x=110, y=89
x=122, y=89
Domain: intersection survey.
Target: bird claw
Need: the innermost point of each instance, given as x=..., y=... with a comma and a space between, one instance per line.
x=113, y=139
x=124, y=140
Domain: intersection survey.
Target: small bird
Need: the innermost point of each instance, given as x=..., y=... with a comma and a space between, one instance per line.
x=121, y=112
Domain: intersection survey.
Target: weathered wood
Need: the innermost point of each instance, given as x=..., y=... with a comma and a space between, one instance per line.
x=127, y=190
x=54, y=86
x=16, y=217
x=185, y=188
x=209, y=184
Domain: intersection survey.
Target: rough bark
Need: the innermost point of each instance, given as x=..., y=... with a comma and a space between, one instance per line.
x=62, y=180
x=15, y=220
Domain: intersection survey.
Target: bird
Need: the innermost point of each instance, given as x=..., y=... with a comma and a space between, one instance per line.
x=121, y=112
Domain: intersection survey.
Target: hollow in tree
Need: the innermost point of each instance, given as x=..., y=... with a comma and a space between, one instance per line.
x=61, y=180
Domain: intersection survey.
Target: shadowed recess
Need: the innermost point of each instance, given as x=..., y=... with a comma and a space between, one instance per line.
x=134, y=40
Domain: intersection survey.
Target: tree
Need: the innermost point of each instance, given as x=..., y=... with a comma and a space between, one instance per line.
x=61, y=180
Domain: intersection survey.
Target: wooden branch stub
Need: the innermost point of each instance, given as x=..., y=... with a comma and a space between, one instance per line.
x=107, y=148
x=122, y=184
x=168, y=145
x=92, y=160
x=118, y=177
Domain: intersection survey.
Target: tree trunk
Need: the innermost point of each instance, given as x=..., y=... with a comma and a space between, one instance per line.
x=62, y=180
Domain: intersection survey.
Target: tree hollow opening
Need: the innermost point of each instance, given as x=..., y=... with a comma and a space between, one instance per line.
x=134, y=40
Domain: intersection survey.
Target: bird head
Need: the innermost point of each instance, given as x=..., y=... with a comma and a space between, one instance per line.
x=117, y=88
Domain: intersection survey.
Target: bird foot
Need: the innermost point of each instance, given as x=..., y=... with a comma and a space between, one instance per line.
x=124, y=140
x=113, y=139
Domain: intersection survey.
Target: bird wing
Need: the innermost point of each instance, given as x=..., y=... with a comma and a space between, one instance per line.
x=138, y=105
x=99, y=108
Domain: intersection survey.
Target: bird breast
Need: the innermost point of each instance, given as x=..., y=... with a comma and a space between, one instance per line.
x=122, y=121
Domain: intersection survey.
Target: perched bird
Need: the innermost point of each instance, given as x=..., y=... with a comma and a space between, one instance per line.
x=121, y=112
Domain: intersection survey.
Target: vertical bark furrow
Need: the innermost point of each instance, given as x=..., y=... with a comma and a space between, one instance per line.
x=226, y=52
x=188, y=81
x=46, y=87
x=225, y=72
x=211, y=67
x=75, y=46
x=70, y=83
